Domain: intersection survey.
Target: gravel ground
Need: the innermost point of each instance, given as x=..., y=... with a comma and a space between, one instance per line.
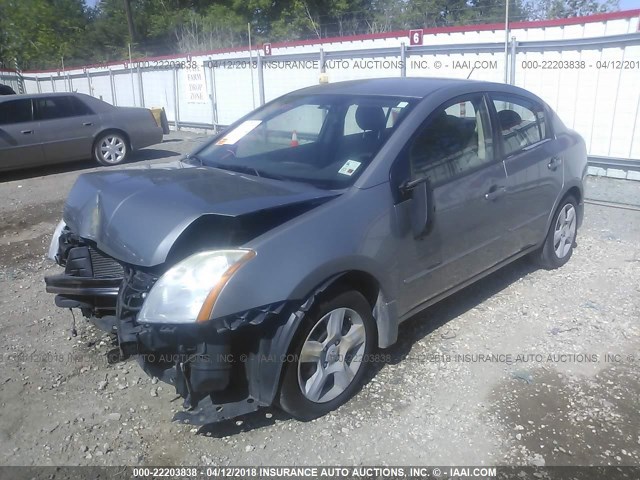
x=525, y=367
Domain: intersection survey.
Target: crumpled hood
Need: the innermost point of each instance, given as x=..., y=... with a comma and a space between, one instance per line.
x=136, y=215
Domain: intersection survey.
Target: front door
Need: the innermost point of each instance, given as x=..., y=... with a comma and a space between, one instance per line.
x=454, y=151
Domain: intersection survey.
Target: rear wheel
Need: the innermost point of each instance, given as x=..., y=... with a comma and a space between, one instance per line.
x=111, y=148
x=561, y=238
x=330, y=356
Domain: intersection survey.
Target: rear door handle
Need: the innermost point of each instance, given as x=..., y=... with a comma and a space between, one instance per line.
x=87, y=124
x=26, y=132
x=554, y=163
x=494, y=193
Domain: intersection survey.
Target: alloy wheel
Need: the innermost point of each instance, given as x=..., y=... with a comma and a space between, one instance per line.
x=565, y=231
x=112, y=149
x=331, y=355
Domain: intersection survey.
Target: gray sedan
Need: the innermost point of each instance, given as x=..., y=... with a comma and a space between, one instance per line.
x=267, y=266
x=49, y=128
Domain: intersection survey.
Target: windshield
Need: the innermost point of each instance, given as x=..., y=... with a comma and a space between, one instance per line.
x=324, y=140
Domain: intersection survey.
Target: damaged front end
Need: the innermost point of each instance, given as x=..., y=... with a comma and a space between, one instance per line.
x=146, y=253
x=90, y=281
x=212, y=363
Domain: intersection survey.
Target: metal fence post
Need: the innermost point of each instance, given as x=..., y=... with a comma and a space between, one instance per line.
x=403, y=60
x=140, y=86
x=635, y=124
x=133, y=87
x=322, y=65
x=512, y=74
x=19, y=78
x=114, y=99
x=53, y=84
x=260, y=79
x=38, y=84
x=213, y=97
x=90, y=83
x=176, y=99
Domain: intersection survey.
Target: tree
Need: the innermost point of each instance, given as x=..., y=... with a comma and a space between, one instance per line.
x=41, y=32
x=38, y=33
x=544, y=9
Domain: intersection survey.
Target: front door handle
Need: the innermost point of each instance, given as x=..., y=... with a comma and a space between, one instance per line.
x=26, y=132
x=87, y=124
x=554, y=163
x=495, y=192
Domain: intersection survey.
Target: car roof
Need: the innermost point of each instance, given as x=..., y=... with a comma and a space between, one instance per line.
x=404, y=86
x=39, y=95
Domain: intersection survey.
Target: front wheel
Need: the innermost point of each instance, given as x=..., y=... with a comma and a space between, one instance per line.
x=331, y=351
x=561, y=238
x=111, y=149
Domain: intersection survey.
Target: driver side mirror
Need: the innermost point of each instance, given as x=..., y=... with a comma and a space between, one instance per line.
x=419, y=193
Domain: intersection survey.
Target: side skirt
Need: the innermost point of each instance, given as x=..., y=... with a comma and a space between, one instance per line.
x=466, y=283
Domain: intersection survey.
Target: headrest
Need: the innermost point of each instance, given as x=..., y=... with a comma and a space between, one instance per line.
x=370, y=117
x=508, y=119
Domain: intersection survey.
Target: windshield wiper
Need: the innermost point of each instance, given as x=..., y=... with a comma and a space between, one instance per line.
x=192, y=156
x=236, y=168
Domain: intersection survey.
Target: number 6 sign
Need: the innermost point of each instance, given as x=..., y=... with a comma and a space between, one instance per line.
x=415, y=37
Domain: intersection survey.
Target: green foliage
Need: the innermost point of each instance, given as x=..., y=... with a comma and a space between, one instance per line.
x=40, y=33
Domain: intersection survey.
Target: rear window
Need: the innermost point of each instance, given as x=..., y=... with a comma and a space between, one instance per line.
x=15, y=111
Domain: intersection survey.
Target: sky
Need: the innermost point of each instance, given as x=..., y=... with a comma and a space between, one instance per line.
x=624, y=4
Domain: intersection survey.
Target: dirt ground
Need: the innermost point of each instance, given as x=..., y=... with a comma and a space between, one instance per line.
x=527, y=367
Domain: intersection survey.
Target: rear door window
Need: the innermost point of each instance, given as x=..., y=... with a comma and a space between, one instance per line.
x=49, y=108
x=521, y=122
x=15, y=111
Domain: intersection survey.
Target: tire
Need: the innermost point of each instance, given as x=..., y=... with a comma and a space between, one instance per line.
x=111, y=148
x=561, y=237
x=330, y=374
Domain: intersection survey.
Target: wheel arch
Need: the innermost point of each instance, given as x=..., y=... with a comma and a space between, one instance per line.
x=265, y=377
x=574, y=189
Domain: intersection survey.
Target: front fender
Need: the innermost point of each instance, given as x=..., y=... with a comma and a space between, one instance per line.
x=351, y=233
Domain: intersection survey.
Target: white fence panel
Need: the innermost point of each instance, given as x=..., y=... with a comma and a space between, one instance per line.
x=102, y=87
x=235, y=94
x=602, y=104
x=158, y=90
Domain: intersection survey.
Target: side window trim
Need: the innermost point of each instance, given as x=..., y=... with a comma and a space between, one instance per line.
x=533, y=145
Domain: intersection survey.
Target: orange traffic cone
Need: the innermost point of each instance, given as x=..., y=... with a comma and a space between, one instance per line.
x=294, y=139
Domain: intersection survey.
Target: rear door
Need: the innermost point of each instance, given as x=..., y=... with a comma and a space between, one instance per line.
x=20, y=142
x=68, y=127
x=533, y=164
x=466, y=182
